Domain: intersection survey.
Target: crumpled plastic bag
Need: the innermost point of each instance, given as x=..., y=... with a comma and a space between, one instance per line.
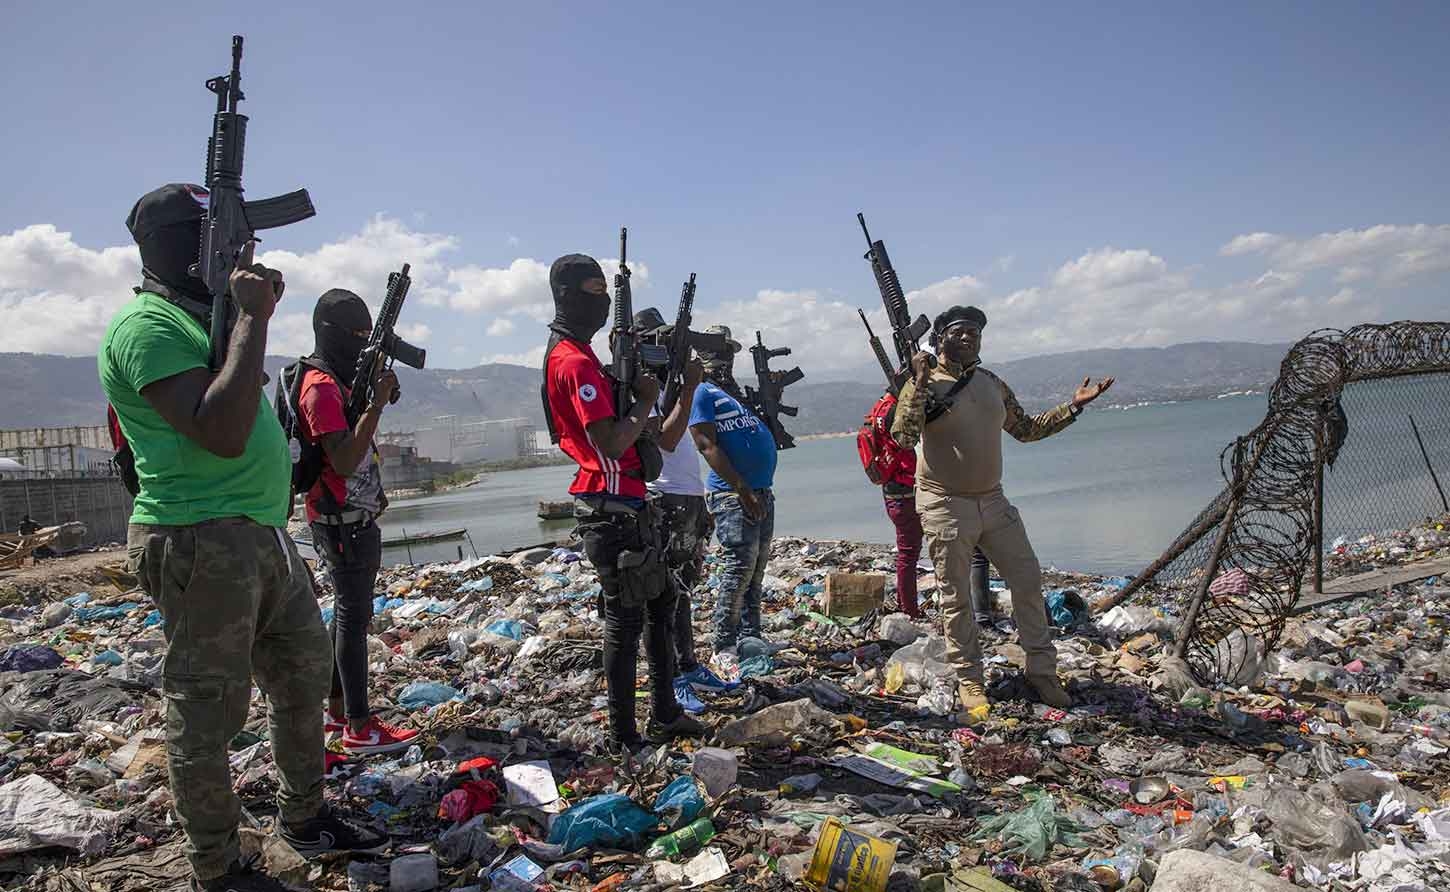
x=899, y=629
x=1317, y=826
x=609, y=821
x=918, y=664
x=421, y=694
x=1123, y=621
x=34, y=814
x=777, y=725
x=1033, y=830
x=29, y=658
x=1066, y=608
x=473, y=798
x=679, y=803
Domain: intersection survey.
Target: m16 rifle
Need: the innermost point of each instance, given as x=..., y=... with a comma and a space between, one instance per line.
x=765, y=397
x=624, y=340
x=881, y=357
x=906, y=334
x=384, y=345
x=231, y=222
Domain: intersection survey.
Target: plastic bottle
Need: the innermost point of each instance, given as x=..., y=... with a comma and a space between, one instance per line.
x=685, y=841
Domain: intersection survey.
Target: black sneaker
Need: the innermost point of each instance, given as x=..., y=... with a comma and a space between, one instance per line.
x=684, y=726
x=626, y=746
x=330, y=832
x=242, y=877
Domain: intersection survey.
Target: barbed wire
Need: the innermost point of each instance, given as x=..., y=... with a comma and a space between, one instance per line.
x=1349, y=395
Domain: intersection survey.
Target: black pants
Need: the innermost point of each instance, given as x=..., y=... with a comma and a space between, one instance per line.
x=632, y=600
x=353, y=554
x=687, y=529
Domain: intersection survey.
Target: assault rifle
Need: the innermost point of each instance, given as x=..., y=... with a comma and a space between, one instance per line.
x=624, y=340
x=384, y=345
x=906, y=335
x=880, y=352
x=231, y=222
x=681, y=342
x=770, y=387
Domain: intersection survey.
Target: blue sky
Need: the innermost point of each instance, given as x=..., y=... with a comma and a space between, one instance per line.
x=1139, y=175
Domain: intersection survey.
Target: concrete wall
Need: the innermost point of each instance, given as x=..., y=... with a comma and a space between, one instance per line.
x=101, y=503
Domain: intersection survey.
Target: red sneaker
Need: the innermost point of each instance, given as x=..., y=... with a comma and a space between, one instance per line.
x=331, y=724
x=336, y=766
x=377, y=737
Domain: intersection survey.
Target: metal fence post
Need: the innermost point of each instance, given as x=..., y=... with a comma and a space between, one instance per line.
x=1318, y=533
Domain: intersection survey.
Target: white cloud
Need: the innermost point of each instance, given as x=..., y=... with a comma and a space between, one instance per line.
x=500, y=327
x=56, y=296
x=1253, y=243
x=1109, y=268
x=1391, y=253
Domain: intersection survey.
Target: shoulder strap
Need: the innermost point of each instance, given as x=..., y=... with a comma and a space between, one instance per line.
x=554, y=339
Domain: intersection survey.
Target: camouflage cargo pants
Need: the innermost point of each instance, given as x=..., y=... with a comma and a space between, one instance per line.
x=237, y=603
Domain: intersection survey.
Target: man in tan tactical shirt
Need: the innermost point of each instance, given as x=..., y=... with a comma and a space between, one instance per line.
x=953, y=416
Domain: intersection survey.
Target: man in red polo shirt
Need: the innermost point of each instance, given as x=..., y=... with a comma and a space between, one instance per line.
x=616, y=524
x=343, y=507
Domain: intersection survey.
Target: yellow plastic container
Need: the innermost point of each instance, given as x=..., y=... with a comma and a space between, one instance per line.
x=848, y=861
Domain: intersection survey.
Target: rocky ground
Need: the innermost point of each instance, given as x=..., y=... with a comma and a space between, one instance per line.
x=1329, y=771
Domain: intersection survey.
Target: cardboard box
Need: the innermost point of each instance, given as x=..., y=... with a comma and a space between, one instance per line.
x=854, y=594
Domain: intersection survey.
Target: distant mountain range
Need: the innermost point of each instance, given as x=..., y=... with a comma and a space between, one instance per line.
x=56, y=391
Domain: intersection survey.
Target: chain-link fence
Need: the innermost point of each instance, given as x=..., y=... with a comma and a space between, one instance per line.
x=1357, y=434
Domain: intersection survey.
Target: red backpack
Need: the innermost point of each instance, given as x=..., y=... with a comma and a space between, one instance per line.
x=883, y=460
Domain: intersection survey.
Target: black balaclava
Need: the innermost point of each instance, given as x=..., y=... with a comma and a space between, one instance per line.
x=577, y=313
x=339, y=313
x=166, y=224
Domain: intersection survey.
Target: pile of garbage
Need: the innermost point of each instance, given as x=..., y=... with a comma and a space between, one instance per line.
x=839, y=760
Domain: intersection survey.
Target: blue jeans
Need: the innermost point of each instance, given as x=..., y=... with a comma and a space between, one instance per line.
x=746, y=544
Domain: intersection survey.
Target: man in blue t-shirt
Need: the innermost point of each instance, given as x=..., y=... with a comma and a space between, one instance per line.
x=741, y=453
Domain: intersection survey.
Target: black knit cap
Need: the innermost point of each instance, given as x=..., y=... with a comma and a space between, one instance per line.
x=167, y=206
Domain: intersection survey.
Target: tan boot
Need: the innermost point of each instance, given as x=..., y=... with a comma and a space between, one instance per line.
x=1049, y=690
x=972, y=694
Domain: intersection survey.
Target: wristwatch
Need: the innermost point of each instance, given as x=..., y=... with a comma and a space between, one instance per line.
x=1074, y=409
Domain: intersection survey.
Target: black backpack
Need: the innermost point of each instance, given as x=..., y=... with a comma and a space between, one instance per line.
x=308, y=459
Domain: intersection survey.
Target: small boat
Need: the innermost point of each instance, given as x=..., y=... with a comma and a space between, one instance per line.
x=557, y=510
x=431, y=536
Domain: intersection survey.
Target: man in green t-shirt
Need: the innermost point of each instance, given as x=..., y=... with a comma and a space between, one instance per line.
x=207, y=542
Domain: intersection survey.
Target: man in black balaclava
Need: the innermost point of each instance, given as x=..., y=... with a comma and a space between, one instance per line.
x=618, y=527
x=343, y=507
x=214, y=481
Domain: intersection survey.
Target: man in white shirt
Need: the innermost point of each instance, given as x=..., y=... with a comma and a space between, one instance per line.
x=679, y=491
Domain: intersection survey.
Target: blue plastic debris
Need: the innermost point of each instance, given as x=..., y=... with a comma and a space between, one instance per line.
x=420, y=694
x=609, y=821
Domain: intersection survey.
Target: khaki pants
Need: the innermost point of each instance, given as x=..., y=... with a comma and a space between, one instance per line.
x=955, y=526
x=237, y=604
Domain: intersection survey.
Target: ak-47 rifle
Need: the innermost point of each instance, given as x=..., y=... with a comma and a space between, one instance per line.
x=680, y=344
x=384, y=345
x=765, y=397
x=880, y=352
x=625, y=340
x=906, y=334
x=231, y=222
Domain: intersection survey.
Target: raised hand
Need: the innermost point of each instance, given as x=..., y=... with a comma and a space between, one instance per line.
x=1089, y=391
